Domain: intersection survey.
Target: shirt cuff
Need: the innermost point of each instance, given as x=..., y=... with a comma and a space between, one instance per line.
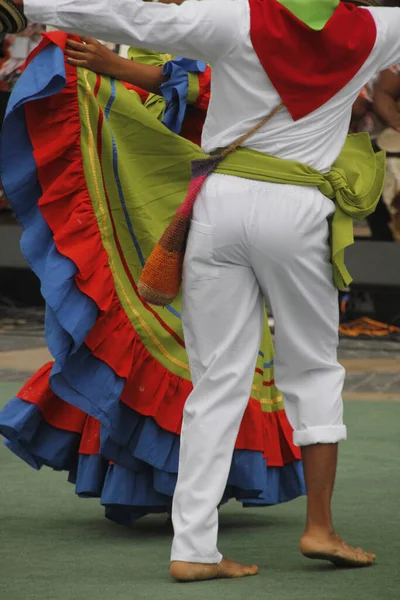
x=41, y=11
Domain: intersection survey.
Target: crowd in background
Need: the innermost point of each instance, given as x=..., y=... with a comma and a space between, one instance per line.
x=377, y=111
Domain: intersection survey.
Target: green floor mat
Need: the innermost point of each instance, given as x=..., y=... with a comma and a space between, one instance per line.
x=55, y=546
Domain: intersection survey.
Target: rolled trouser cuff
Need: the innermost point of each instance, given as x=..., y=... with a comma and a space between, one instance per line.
x=320, y=435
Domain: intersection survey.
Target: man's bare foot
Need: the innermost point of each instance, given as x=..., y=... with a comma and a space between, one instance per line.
x=227, y=569
x=331, y=547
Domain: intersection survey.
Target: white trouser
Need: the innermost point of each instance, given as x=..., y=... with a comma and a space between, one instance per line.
x=251, y=241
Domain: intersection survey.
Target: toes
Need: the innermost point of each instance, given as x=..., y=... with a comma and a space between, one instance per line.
x=371, y=556
x=363, y=556
x=237, y=570
x=253, y=570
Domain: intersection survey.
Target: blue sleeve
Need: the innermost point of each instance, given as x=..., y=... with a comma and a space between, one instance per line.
x=176, y=89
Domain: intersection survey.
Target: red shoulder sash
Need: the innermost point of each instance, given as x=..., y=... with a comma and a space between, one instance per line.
x=308, y=67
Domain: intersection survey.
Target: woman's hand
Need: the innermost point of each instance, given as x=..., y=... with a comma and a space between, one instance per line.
x=92, y=54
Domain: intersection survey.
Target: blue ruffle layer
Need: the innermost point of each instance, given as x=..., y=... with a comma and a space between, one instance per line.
x=175, y=90
x=144, y=478
x=146, y=457
x=35, y=441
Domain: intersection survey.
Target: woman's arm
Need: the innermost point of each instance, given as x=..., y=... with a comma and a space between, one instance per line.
x=386, y=96
x=93, y=55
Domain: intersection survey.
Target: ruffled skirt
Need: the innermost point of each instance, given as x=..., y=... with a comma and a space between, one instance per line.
x=93, y=179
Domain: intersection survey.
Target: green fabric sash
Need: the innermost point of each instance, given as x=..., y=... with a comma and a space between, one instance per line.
x=355, y=183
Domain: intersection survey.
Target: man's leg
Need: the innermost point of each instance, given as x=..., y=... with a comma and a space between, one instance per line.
x=319, y=540
x=223, y=320
x=295, y=273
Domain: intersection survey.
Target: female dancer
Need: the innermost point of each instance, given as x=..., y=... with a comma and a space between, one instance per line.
x=109, y=409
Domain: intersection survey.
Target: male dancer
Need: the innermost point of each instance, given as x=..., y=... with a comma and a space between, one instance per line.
x=254, y=240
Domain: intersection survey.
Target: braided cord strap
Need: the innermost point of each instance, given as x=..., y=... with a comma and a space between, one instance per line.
x=161, y=277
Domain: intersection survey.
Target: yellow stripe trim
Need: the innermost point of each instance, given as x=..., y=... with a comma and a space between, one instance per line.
x=107, y=244
x=271, y=401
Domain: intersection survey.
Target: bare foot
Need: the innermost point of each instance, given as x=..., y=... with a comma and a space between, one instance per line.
x=331, y=547
x=227, y=569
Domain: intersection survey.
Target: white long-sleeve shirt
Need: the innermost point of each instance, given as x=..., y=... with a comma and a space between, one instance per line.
x=218, y=32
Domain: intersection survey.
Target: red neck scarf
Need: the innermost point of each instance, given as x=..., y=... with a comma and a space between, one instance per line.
x=307, y=67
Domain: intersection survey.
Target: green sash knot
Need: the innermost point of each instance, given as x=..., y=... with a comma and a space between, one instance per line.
x=355, y=183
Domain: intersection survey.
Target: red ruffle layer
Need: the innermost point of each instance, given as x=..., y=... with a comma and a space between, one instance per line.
x=60, y=414
x=271, y=431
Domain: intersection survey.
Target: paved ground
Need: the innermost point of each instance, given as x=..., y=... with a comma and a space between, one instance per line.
x=53, y=542
x=56, y=546
x=373, y=369
x=373, y=366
